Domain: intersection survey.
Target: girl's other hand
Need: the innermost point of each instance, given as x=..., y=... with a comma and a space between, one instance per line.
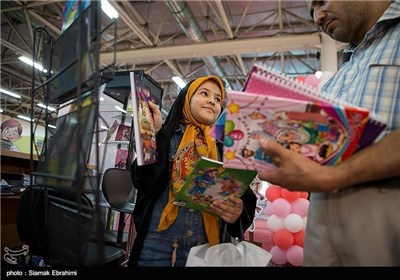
x=229, y=211
x=156, y=115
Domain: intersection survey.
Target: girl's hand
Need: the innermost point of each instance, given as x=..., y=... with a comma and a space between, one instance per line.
x=156, y=115
x=229, y=211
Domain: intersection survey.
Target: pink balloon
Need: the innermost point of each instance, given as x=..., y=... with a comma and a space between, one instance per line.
x=236, y=134
x=312, y=80
x=299, y=238
x=300, y=207
x=304, y=195
x=273, y=192
x=279, y=207
x=300, y=78
x=278, y=255
x=289, y=195
x=283, y=238
x=294, y=255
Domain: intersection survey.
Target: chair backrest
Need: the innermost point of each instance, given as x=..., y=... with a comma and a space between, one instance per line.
x=118, y=189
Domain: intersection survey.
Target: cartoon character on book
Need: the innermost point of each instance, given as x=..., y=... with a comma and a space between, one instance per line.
x=258, y=154
x=203, y=181
x=229, y=186
x=314, y=152
x=146, y=125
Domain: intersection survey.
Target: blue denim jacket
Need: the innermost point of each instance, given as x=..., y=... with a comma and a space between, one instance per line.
x=171, y=246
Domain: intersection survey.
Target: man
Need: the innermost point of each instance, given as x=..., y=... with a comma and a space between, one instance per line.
x=354, y=214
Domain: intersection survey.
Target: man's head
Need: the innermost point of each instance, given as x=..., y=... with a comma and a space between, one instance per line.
x=346, y=21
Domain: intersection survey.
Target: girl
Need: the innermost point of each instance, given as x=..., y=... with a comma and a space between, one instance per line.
x=166, y=232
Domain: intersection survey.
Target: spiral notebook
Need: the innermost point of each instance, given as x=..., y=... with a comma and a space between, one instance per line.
x=266, y=81
x=321, y=131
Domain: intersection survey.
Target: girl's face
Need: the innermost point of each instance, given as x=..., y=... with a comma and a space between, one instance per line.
x=205, y=104
x=10, y=133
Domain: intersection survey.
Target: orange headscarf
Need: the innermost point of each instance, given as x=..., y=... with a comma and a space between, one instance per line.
x=196, y=142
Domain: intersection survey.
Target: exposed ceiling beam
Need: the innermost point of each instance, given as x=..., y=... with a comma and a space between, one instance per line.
x=219, y=48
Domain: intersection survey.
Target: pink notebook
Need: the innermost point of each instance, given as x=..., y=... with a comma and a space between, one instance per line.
x=321, y=131
x=266, y=81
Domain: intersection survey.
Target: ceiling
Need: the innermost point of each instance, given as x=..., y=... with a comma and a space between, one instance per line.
x=168, y=38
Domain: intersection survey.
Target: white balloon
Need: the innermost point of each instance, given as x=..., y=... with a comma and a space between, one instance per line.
x=275, y=223
x=293, y=223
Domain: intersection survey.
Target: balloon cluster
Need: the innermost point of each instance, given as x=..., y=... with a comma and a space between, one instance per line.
x=287, y=216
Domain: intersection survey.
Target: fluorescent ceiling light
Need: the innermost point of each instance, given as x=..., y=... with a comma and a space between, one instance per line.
x=1, y=111
x=178, y=80
x=108, y=9
x=52, y=126
x=24, y=118
x=120, y=109
x=29, y=61
x=41, y=105
x=104, y=127
x=10, y=93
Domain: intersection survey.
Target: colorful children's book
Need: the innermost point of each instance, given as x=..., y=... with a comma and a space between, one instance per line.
x=266, y=81
x=145, y=134
x=123, y=133
x=209, y=181
x=323, y=132
x=121, y=157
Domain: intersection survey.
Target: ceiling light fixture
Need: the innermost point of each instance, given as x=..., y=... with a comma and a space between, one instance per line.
x=24, y=118
x=29, y=61
x=1, y=110
x=120, y=109
x=178, y=80
x=41, y=105
x=108, y=9
x=10, y=93
x=52, y=126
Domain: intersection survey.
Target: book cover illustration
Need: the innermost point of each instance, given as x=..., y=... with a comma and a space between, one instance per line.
x=266, y=81
x=209, y=181
x=113, y=128
x=145, y=135
x=121, y=156
x=323, y=132
x=123, y=133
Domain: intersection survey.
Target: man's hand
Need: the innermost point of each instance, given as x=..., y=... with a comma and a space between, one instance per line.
x=296, y=172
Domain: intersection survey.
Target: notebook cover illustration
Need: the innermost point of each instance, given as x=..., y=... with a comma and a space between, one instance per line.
x=121, y=156
x=123, y=133
x=145, y=135
x=209, y=181
x=323, y=132
x=266, y=81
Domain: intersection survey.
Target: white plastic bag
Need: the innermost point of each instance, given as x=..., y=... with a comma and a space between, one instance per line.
x=228, y=254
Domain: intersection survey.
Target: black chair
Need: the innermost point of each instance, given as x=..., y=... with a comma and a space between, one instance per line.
x=63, y=230
x=118, y=190
x=120, y=194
